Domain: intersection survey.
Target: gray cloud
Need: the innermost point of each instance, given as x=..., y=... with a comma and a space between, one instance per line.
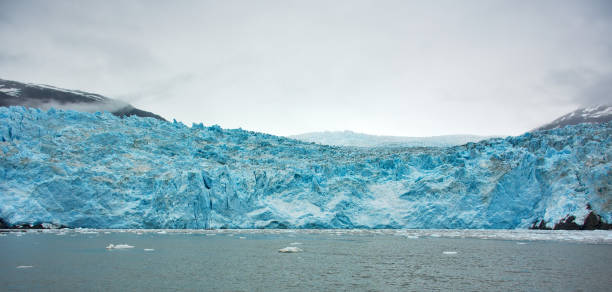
x=413, y=68
x=583, y=86
x=598, y=92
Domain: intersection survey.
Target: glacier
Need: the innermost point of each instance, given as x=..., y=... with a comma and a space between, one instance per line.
x=96, y=170
x=349, y=138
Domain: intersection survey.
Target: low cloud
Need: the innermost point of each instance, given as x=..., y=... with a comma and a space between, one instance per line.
x=109, y=106
x=585, y=87
x=598, y=92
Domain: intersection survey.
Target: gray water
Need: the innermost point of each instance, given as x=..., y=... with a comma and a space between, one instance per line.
x=330, y=261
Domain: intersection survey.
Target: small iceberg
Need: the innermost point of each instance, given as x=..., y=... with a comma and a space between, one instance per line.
x=119, y=246
x=449, y=252
x=162, y=232
x=24, y=267
x=149, y=249
x=290, y=249
x=296, y=243
x=242, y=237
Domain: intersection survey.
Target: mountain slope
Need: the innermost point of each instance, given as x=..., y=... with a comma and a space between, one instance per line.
x=97, y=170
x=595, y=114
x=349, y=138
x=13, y=93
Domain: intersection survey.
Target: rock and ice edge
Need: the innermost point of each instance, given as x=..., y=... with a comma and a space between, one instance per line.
x=96, y=170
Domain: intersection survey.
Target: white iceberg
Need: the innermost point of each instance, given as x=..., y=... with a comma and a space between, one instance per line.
x=119, y=246
x=290, y=249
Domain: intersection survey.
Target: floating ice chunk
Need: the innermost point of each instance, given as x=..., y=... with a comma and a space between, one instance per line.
x=521, y=243
x=162, y=232
x=449, y=252
x=210, y=234
x=296, y=243
x=88, y=232
x=119, y=246
x=149, y=249
x=242, y=237
x=24, y=267
x=290, y=249
x=107, y=232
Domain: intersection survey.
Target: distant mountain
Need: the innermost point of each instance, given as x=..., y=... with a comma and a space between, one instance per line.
x=13, y=93
x=349, y=138
x=592, y=115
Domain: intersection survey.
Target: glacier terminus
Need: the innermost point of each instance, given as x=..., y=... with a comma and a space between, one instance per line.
x=97, y=170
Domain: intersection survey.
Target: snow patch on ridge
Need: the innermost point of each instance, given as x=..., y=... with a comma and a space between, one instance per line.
x=10, y=91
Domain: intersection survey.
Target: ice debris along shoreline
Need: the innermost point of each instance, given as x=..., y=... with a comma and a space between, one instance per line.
x=100, y=171
x=520, y=235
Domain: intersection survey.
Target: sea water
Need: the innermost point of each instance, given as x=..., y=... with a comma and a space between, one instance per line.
x=315, y=260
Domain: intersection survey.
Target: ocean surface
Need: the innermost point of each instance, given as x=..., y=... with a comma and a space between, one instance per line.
x=327, y=260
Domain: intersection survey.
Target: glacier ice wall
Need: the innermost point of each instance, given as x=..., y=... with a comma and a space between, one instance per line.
x=100, y=171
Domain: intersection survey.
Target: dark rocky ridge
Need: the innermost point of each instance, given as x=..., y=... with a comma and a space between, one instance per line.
x=13, y=93
x=595, y=114
x=592, y=222
x=5, y=225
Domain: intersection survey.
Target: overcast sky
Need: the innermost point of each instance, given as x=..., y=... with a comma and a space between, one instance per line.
x=409, y=68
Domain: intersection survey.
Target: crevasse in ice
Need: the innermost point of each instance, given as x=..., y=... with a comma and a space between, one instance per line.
x=100, y=171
